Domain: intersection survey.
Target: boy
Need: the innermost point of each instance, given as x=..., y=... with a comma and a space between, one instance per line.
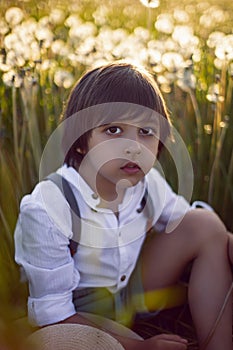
x=116, y=123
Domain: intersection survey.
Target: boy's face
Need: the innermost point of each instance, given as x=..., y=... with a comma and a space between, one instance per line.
x=121, y=153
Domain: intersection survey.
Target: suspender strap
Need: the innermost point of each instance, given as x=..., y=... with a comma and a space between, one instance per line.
x=148, y=209
x=66, y=190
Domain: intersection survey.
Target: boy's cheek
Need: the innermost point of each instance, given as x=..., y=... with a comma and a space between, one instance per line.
x=147, y=163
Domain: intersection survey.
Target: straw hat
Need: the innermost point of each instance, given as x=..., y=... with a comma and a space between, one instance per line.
x=71, y=337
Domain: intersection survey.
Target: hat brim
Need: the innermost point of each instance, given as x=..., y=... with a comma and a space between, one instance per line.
x=71, y=337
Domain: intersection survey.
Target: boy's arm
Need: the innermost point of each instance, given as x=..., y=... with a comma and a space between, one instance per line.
x=42, y=250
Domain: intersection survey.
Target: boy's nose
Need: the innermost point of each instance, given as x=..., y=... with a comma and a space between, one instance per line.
x=133, y=149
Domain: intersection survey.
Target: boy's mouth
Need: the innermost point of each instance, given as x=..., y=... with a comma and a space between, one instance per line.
x=131, y=168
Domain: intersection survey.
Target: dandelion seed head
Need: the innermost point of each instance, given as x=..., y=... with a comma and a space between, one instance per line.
x=127, y=48
x=172, y=61
x=4, y=67
x=156, y=45
x=164, y=83
x=219, y=64
x=150, y=3
x=206, y=21
x=100, y=15
x=15, y=59
x=224, y=48
x=56, y=16
x=184, y=36
x=186, y=79
x=213, y=94
x=164, y=23
x=161, y=79
x=10, y=41
x=44, y=35
x=157, y=68
x=215, y=38
x=118, y=35
x=154, y=56
x=25, y=34
x=208, y=129
x=4, y=28
x=13, y=16
x=104, y=41
x=218, y=15
x=73, y=21
x=82, y=31
x=34, y=52
x=11, y=78
x=59, y=47
x=223, y=124
x=43, y=21
x=181, y=16
x=212, y=16
x=166, y=88
x=108, y=42
x=196, y=55
x=142, y=33
x=73, y=59
x=63, y=78
x=171, y=45
x=48, y=64
x=29, y=25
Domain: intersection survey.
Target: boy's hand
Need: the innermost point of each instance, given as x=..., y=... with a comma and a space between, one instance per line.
x=165, y=342
x=158, y=342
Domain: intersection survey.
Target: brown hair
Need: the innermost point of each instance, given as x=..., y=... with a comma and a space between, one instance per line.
x=113, y=82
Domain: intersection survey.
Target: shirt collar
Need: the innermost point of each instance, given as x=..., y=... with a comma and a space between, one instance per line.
x=133, y=194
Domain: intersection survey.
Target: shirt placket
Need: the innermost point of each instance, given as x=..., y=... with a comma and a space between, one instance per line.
x=123, y=263
x=120, y=297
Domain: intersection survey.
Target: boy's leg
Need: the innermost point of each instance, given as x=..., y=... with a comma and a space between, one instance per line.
x=202, y=238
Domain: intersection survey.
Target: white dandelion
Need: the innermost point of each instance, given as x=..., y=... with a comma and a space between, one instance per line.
x=13, y=16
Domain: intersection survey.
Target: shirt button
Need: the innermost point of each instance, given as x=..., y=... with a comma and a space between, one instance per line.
x=123, y=277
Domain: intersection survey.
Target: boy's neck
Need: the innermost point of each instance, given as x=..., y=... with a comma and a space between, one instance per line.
x=111, y=196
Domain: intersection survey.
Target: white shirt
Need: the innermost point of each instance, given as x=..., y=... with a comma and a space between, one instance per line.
x=108, y=249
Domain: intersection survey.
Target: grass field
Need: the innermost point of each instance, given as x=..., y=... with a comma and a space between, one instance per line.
x=44, y=48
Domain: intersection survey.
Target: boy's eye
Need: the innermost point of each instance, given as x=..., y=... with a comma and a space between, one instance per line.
x=113, y=130
x=147, y=131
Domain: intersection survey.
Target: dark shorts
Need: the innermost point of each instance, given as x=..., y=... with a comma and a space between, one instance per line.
x=126, y=303
x=120, y=306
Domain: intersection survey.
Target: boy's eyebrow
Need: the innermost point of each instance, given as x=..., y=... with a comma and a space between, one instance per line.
x=131, y=123
x=103, y=125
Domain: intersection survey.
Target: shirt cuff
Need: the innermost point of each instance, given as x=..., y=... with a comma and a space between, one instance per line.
x=50, y=309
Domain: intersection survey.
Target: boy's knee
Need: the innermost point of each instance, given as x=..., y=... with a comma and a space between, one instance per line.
x=208, y=226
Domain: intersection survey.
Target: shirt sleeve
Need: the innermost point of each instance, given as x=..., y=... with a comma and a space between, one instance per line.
x=42, y=250
x=169, y=207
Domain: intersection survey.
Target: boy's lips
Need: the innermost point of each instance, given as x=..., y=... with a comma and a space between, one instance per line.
x=131, y=168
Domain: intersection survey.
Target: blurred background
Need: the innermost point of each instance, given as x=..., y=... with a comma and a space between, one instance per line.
x=44, y=48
